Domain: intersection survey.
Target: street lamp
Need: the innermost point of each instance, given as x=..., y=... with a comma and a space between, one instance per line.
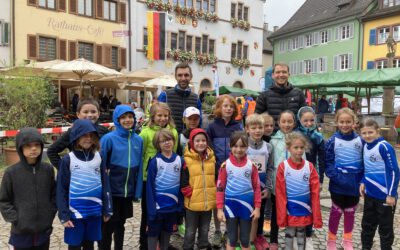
x=388, y=92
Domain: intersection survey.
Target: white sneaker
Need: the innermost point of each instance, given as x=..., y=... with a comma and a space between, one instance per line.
x=309, y=243
x=295, y=247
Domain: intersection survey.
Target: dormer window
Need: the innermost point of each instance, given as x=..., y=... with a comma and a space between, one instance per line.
x=390, y=3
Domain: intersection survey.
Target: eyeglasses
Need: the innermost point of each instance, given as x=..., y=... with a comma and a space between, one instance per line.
x=185, y=75
x=165, y=141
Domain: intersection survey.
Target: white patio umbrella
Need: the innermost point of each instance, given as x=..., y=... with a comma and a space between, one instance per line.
x=165, y=81
x=137, y=76
x=82, y=69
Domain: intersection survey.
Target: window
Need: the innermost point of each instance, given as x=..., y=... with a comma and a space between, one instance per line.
x=47, y=49
x=85, y=7
x=345, y=32
x=197, y=48
x=189, y=3
x=282, y=46
x=4, y=33
x=233, y=10
x=85, y=50
x=145, y=37
x=239, y=50
x=246, y=13
x=390, y=3
x=396, y=33
x=181, y=44
x=381, y=64
x=198, y=4
x=324, y=36
x=48, y=4
x=212, y=6
x=240, y=11
x=307, y=66
x=233, y=50
x=206, y=6
x=383, y=34
x=396, y=63
x=245, y=52
x=204, y=44
x=211, y=46
x=321, y=64
x=189, y=42
x=182, y=3
x=174, y=40
x=308, y=38
x=110, y=10
x=175, y=2
x=295, y=43
x=114, y=57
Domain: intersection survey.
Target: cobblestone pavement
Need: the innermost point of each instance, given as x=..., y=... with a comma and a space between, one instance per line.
x=132, y=229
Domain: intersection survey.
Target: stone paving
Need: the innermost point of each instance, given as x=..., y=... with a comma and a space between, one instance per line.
x=132, y=229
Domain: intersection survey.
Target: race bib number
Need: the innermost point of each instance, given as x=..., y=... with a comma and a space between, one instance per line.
x=259, y=162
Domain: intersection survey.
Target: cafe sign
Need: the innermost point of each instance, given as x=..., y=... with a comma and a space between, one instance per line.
x=63, y=25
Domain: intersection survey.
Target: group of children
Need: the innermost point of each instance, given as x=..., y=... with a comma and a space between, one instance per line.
x=227, y=171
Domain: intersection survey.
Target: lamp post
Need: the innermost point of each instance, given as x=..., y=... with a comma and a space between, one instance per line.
x=388, y=92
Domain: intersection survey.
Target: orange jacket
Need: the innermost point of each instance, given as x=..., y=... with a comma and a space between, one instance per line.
x=251, y=107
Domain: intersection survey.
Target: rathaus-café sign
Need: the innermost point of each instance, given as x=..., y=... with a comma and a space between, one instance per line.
x=62, y=25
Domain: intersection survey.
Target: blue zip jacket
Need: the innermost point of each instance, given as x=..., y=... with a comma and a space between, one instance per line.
x=163, y=186
x=316, y=155
x=122, y=151
x=79, y=128
x=381, y=175
x=344, y=180
x=219, y=135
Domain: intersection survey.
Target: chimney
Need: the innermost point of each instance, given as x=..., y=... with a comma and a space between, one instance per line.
x=276, y=28
x=265, y=26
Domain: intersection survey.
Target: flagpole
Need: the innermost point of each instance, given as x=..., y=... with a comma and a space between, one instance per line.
x=216, y=80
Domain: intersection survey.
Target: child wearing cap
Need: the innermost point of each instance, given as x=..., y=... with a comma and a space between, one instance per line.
x=191, y=120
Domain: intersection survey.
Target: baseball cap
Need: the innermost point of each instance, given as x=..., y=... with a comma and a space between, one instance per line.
x=191, y=111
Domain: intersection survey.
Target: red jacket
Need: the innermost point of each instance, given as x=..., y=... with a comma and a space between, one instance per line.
x=285, y=220
x=221, y=184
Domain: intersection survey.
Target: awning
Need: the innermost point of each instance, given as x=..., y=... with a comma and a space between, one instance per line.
x=227, y=90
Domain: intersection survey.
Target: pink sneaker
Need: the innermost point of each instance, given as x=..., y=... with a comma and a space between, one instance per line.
x=273, y=246
x=264, y=242
x=347, y=244
x=331, y=245
x=260, y=243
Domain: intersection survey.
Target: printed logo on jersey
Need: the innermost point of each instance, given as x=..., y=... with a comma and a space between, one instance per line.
x=357, y=145
x=373, y=158
x=247, y=173
x=306, y=177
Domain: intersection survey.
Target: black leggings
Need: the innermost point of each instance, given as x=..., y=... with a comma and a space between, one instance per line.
x=274, y=223
x=44, y=246
x=86, y=245
x=118, y=229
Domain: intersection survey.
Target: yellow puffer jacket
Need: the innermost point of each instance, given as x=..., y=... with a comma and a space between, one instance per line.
x=201, y=180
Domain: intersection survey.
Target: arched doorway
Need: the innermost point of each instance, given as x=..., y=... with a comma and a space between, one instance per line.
x=205, y=84
x=238, y=84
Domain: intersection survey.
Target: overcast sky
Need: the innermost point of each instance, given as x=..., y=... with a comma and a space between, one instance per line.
x=278, y=12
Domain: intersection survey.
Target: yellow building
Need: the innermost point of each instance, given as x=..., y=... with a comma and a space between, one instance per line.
x=68, y=29
x=378, y=25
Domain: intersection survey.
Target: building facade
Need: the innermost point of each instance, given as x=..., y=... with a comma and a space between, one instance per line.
x=69, y=29
x=5, y=28
x=230, y=30
x=267, y=48
x=378, y=25
x=322, y=36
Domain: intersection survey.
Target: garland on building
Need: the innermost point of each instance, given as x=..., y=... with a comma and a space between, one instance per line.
x=242, y=24
x=204, y=59
x=240, y=63
x=188, y=56
x=191, y=12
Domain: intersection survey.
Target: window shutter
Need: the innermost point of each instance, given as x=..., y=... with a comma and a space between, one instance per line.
x=32, y=2
x=372, y=36
x=122, y=57
x=351, y=27
x=301, y=67
x=314, y=66
x=290, y=45
x=316, y=39
x=335, y=63
x=107, y=56
x=62, y=48
x=99, y=54
x=122, y=12
x=99, y=8
x=295, y=68
x=72, y=50
x=72, y=7
x=350, y=58
x=324, y=64
x=337, y=33
x=62, y=5
x=301, y=41
x=5, y=36
x=329, y=31
x=32, y=47
x=370, y=65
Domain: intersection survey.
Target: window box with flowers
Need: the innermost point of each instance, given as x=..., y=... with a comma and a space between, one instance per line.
x=240, y=63
x=204, y=59
x=181, y=55
x=242, y=24
x=159, y=5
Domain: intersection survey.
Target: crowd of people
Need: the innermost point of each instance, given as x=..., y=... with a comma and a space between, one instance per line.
x=269, y=169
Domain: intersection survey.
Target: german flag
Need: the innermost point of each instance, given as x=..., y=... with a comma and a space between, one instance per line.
x=155, y=35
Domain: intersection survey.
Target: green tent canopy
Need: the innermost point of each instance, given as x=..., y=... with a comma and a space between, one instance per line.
x=360, y=78
x=227, y=90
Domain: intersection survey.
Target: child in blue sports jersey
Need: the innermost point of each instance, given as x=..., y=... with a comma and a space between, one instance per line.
x=344, y=168
x=379, y=186
x=83, y=191
x=238, y=193
x=164, y=199
x=122, y=151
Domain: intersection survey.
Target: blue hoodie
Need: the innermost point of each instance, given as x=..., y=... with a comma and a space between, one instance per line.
x=343, y=163
x=122, y=151
x=89, y=175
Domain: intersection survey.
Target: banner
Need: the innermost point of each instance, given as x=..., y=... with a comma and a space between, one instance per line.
x=216, y=81
x=155, y=35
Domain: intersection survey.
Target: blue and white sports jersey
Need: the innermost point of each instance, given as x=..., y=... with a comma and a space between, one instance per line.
x=259, y=157
x=375, y=172
x=167, y=183
x=239, y=193
x=348, y=155
x=298, y=189
x=85, y=189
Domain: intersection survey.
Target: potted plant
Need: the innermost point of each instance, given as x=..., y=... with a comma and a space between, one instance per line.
x=25, y=100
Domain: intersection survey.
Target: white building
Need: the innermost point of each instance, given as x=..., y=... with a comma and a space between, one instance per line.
x=219, y=38
x=5, y=31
